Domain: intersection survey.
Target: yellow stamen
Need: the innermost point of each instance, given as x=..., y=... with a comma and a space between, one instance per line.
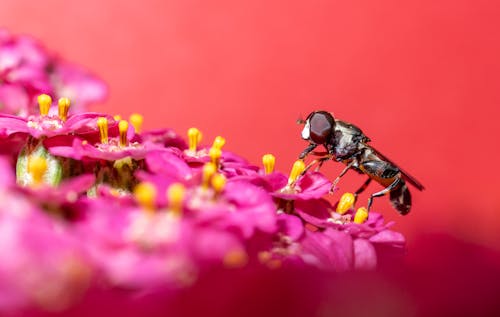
x=345, y=203
x=218, y=182
x=44, y=103
x=215, y=155
x=123, y=128
x=194, y=137
x=145, y=195
x=175, y=196
x=297, y=169
x=102, y=124
x=269, y=161
x=117, y=117
x=265, y=257
x=209, y=170
x=63, y=107
x=136, y=120
x=235, y=259
x=219, y=142
x=37, y=166
x=361, y=215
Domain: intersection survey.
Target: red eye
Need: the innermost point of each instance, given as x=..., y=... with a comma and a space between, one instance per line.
x=321, y=126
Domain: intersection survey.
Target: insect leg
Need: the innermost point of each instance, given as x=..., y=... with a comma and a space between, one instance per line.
x=362, y=188
x=307, y=150
x=335, y=182
x=383, y=192
x=320, y=162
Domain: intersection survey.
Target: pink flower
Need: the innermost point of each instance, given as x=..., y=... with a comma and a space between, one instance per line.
x=49, y=126
x=35, y=249
x=77, y=84
x=241, y=206
x=112, y=151
x=310, y=186
x=27, y=69
x=165, y=137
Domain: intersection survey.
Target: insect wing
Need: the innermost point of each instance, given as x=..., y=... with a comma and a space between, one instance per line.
x=412, y=180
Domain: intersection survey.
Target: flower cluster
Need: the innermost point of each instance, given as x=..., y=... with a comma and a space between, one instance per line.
x=91, y=202
x=27, y=69
x=97, y=201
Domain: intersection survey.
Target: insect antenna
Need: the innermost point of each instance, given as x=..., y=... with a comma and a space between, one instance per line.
x=300, y=120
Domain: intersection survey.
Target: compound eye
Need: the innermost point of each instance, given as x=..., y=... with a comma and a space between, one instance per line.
x=321, y=125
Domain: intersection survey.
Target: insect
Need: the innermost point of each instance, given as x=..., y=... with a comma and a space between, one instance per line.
x=346, y=143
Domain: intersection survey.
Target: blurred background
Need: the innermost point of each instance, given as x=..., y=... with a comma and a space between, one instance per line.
x=421, y=78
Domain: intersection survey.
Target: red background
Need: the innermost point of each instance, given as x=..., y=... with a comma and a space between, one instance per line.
x=421, y=78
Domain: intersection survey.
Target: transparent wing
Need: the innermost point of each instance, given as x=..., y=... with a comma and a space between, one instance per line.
x=407, y=177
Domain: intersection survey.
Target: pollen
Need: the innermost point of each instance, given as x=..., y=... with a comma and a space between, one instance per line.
x=268, y=160
x=63, y=108
x=361, y=215
x=37, y=166
x=123, y=128
x=102, y=124
x=218, y=183
x=264, y=256
x=219, y=142
x=235, y=259
x=145, y=195
x=215, y=154
x=136, y=120
x=194, y=138
x=345, y=203
x=44, y=102
x=209, y=170
x=297, y=169
x=175, y=195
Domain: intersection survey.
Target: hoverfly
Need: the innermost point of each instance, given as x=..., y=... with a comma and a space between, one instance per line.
x=346, y=143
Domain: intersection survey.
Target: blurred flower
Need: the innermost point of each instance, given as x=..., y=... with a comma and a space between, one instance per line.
x=139, y=214
x=36, y=248
x=27, y=69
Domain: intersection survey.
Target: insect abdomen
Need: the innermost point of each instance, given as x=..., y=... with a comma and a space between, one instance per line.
x=382, y=172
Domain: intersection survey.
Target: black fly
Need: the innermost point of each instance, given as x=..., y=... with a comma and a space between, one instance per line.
x=346, y=143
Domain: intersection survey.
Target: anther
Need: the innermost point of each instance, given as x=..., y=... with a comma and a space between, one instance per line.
x=123, y=128
x=269, y=161
x=215, y=154
x=194, y=137
x=345, y=203
x=44, y=103
x=361, y=215
x=297, y=169
x=145, y=195
x=63, y=108
x=117, y=117
x=102, y=124
x=37, y=166
x=235, y=259
x=209, y=170
x=218, y=183
x=136, y=120
x=219, y=142
x=175, y=196
x=264, y=256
